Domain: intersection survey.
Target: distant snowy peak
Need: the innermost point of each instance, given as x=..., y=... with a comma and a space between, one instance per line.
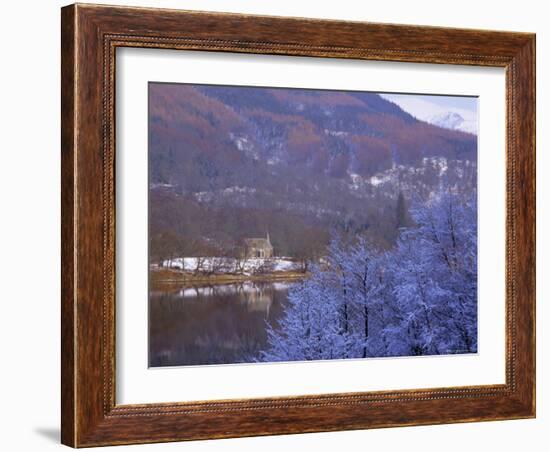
x=448, y=120
x=454, y=121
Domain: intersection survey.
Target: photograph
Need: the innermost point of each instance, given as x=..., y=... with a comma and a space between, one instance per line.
x=295, y=224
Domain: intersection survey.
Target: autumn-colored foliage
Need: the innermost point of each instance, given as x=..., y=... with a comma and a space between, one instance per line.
x=231, y=162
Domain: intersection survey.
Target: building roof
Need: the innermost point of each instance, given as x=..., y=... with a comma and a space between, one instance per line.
x=258, y=243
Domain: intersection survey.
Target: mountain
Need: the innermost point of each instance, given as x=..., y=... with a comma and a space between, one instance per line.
x=453, y=121
x=230, y=162
x=201, y=135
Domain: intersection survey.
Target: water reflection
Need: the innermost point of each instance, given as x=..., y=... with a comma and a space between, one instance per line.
x=215, y=324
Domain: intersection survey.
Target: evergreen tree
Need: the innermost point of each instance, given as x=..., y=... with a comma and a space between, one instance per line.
x=400, y=211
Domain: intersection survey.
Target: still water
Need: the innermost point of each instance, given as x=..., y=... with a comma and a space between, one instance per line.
x=214, y=324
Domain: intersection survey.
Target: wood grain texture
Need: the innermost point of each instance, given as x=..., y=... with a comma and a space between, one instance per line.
x=90, y=36
x=67, y=226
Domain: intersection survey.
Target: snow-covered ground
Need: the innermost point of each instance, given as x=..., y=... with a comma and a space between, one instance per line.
x=229, y=265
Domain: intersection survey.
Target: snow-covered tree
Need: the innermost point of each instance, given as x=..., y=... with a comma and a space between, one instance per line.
x=310, y=328
x=435, y=277
x=418, y=298
x=329, y=314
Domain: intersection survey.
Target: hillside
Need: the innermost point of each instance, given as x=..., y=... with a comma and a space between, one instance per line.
x=232, y=162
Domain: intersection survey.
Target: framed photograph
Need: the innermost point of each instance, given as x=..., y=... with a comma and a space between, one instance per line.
x=280, y=225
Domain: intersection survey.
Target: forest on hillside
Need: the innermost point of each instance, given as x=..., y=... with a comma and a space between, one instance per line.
x=228, y=163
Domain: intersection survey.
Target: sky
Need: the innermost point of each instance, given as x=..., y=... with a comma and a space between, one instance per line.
x=426, y=107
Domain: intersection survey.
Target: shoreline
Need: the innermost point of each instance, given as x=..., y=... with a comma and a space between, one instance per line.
x=168, y=277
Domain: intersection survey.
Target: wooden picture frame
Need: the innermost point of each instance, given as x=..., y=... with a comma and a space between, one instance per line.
x=90, y=35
